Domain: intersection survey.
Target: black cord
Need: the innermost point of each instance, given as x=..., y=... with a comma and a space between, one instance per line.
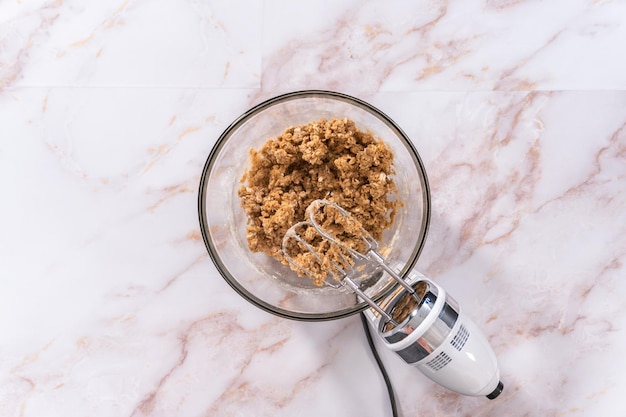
x=381, y=366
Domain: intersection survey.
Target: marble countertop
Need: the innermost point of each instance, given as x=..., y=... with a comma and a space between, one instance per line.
x=109, y=302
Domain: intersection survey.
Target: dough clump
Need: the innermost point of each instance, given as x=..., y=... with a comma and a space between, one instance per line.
x=326, y=159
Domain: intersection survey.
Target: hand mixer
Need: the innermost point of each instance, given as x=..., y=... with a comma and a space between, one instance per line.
x=423, y=324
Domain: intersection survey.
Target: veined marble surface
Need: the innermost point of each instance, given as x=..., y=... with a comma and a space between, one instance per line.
x=109, y=303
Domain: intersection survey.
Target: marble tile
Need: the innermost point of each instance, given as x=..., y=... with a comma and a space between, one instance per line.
x=438, y=45
x=109, y=302
x=132, y=43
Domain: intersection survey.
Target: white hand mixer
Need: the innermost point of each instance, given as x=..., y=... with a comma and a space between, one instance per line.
x=419, y=321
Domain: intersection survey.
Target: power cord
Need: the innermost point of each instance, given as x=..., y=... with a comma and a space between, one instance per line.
x=381, y=366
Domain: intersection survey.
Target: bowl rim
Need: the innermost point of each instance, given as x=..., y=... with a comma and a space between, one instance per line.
x=219, y=144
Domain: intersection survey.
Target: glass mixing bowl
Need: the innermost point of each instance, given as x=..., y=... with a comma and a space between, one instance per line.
x=261, y=279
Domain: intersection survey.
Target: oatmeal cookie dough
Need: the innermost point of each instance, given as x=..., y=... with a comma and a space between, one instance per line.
x=325, y=159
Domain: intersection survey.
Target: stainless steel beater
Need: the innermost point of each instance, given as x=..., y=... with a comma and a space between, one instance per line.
x=345, y=271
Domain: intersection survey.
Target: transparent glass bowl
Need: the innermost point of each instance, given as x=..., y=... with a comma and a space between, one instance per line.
x=261, y=279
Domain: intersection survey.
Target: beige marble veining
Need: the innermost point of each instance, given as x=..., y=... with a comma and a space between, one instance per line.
x=109, y=302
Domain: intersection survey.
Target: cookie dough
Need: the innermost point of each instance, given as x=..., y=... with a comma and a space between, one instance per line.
x=325, y=159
